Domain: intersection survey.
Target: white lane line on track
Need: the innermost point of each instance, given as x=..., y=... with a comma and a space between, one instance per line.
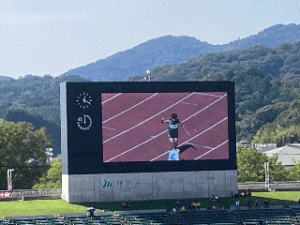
x=134, y=147
x=111, y=98
x=130, y=108
x=189, y=103
x=200, y=93
x=125, y=131
x=152, y=138
x=109, y=128
x=206, y=130
x=193, y=137
x=204, y=108
x=211, y=150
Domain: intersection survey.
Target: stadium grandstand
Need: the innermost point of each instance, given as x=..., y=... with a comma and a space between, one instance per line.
x=275, y=215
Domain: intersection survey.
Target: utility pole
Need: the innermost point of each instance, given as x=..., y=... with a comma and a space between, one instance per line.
x=267, y=176
x=9, y=179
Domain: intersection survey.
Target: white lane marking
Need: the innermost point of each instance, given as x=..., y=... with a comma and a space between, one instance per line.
x=109, y=128
x=211, y=150
x=205, y=108
x=200, y=93
x=157, y=157
x=189, y=103
x=193, y=137
x=125, y=131
x=134, y=147
x=206, y=130
x=111, y=98
x=130, y=108
x=152, y=138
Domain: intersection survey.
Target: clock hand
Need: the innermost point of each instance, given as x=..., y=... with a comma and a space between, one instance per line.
x=83, y=100
x=84, y=116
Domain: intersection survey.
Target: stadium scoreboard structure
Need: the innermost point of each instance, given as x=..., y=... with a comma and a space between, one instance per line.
x=115, y=147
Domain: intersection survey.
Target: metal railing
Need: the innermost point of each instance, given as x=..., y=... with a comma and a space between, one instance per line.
x=275, y=185
x=56, y=192
x=25, y=193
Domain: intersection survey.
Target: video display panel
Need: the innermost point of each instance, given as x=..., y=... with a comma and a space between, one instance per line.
x=124, y=127
x=140, y=127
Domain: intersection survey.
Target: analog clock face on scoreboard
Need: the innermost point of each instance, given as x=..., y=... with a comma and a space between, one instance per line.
x=84, y=100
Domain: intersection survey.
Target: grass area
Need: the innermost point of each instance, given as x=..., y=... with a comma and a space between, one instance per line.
x=38, y=207
x=279, y=195
x=54, y=207
x=284, y=198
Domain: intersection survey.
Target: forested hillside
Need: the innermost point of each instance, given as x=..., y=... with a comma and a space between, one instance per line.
x=280, y=62
x=267, y=82
x=267, y=87
x=36, y=100
x=173, y=50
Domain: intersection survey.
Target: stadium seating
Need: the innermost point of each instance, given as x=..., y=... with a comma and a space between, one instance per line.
x=267, y=216
x=203, y=217
x=218, y=217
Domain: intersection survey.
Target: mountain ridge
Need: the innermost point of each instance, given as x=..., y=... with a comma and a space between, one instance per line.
x=168, y=50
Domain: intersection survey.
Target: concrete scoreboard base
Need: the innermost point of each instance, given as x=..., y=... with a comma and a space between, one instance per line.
x=148, y=186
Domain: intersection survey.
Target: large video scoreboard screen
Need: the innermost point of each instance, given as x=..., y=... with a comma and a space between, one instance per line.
x=133, y=122
x=118, y=127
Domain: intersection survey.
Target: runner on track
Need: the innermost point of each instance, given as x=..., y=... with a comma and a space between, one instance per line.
x=173, y=125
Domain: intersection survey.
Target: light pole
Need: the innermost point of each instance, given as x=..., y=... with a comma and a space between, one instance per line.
x=49, y=153
x=149, y=75
x=9, y=179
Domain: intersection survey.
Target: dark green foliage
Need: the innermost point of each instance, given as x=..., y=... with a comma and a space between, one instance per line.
x=250, y=165
x=23, y=149
x=264, y=92
x=278, y=62
x=53, y=129
x=275, y=133
x=53, y=178
x=295, y=171
x=270, y=112
x=267, y=83
x=36, y=100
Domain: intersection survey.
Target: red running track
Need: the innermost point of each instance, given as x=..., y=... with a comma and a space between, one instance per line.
x=132, y=130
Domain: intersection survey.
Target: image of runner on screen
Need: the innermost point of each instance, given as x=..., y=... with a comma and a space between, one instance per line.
x=173, y=125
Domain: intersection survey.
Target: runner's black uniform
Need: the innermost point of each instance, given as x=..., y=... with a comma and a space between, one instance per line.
x=173, y=128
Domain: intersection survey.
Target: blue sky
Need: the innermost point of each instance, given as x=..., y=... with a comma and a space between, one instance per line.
x=51, y=37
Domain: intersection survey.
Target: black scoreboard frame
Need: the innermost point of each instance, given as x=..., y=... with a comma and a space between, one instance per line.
x=82, y=150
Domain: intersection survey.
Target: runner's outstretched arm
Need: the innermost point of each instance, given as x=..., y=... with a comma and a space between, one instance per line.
x=185, y=130
x=163, y=121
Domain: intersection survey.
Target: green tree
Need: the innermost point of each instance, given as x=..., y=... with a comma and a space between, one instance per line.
x=23, y=149
x=277, y=170
x=250, y=165
x=295, y=171
x=37, y=121
x=53, y=178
